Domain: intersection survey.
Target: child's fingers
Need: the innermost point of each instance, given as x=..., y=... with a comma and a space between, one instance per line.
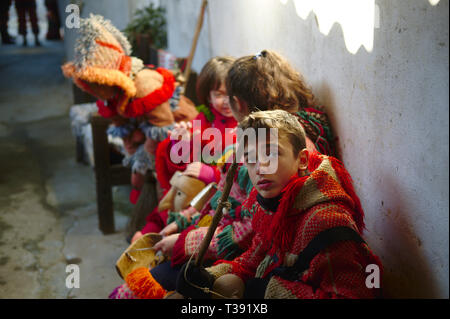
x=157, y=246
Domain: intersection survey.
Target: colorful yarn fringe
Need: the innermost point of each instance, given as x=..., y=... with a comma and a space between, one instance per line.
x=143, y=285
x=317, y=129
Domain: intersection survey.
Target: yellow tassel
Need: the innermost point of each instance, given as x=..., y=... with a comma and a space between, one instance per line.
x=143, y=285
x=205, y=221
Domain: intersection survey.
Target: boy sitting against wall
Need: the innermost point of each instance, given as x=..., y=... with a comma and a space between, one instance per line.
x=307, y=221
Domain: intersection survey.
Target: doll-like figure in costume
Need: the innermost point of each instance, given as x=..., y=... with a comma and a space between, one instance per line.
x=135, y=96
x=183, y=191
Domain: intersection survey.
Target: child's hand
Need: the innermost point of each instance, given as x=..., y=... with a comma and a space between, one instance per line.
x=193, y=169
x=200, y=171
x=189, y=212
x=169, y=229
x=166, y=244
x=136, y=236
x=181, y=131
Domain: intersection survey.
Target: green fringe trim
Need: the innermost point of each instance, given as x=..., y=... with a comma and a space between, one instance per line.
x=248, y=212
x=210, y=118
x=180, y=220
x=233, y=201
x=194, y=219
x=226, y=244
x=245, y=213
x=171, y=217
x=244, y=180
x=328, y=138
x=206, y=111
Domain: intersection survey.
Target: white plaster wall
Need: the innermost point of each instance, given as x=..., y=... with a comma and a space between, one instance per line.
x=182, y=19
x=389, y=108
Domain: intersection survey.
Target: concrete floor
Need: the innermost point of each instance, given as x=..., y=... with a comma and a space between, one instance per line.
x=48, y=216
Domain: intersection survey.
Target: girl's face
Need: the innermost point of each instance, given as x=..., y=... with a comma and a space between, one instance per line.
x=220, y=101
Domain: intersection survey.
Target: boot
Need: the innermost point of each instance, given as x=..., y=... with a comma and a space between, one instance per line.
x=7, y=39
x=36, y=40
x=25, y=42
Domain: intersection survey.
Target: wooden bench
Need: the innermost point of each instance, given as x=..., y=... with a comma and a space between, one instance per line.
x=106, y=175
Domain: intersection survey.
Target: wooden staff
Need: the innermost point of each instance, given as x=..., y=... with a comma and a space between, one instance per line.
x=218, y=214
x=194, y=42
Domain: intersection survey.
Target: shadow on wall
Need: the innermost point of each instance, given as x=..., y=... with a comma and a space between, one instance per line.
x=326, y=100
x=407, y=274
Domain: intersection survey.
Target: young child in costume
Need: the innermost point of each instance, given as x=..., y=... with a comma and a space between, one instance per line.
x=272, y=80
x=308, y=195
x=278, y=86
x=214, y=112
x=211, y=91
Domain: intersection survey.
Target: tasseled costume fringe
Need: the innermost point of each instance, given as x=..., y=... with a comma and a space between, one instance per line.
x=143, y=285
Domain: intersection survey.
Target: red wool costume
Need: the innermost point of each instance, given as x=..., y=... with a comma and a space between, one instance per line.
x=165, y=168
x=234, y=232
x=309, y=205
x=209, y=118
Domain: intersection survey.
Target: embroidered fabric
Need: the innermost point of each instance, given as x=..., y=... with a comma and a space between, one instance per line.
x=155, y=133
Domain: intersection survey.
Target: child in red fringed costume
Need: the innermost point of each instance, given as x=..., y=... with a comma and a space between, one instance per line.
x=307, y=223
x=213, y=113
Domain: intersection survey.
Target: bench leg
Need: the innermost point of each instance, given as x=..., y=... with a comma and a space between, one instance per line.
x=102, y=175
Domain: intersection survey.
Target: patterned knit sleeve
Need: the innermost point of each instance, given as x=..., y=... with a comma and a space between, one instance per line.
x=231, y=238
x=337, y=272
x=234, y=239
x=182, y=219
x=243, y=266
x=234, y=233
x=188, y=243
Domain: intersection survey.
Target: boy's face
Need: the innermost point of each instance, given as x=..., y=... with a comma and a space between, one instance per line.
x=270, y=183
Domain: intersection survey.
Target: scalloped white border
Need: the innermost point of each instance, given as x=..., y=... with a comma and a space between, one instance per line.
x=357, y=18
